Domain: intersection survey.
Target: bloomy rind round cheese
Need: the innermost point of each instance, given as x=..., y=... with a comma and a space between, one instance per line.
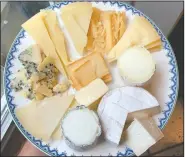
x=136, y=66
x=81, y=147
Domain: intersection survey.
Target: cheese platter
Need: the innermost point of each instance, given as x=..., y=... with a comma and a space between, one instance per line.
x=91, y=78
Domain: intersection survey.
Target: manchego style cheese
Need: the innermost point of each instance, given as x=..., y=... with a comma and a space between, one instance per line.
x=40, y=118
x=38, y=31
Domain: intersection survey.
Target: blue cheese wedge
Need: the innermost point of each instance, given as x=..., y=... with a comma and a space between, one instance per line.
x=81, y=128
x=136, y=66
x=142, y=134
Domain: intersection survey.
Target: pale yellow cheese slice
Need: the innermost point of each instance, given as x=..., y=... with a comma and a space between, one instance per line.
x=38, y=31
x=154, y=44
x=57, y=134
x=139, y=32
x=76, y=33
x=154, y=49
x=36, y=54
x=56, y=35
x=81, y=12
x=40, y=118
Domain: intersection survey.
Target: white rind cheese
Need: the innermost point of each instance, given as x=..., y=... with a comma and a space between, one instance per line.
x=137, y=101
x=112, y=118
x=142, y=134
x=136, y=66
x=81, y=128
x=90, y=93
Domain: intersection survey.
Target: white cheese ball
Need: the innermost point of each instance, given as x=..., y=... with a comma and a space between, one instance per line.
x=136, y=66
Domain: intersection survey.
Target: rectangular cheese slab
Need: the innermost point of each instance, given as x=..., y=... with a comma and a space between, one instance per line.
x=91, y=93
x=141, y=135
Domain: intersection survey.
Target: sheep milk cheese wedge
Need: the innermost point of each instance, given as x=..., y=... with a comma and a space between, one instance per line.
x=40, y=118
x=141, y=135
x=136, y=66
x=90, y=93
x=81, y=128
x=137, y=101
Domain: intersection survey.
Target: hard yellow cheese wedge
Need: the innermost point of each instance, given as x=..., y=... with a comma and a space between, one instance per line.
x=139, y=32
x=40, y=118
x=76, y=33
x=38, y=31
x=81, y=12
x=56, y=35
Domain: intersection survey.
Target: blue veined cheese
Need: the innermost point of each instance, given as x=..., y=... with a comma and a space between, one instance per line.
x=136, y=66
x=141, y=135
x=81, y=128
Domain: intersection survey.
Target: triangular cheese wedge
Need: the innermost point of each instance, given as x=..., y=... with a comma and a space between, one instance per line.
x=57, y=134
x=38, y=31
x=56, y=35
x=76, y=33
x=139, y=32
x=40, y=118
x=82, y=12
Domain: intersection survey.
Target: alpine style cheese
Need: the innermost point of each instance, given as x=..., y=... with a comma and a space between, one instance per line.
x=57, y=134
x=77, y=35
x=40, y=118
x=139, y=32
x=82, y=12
x=91, y=93
x=112, y=117
x=81, y=128
x=137, y=101
x=105, y=30
x=93, y=65
x=142, y=134
x=38, y=31
x=56, y=35
x=136, y=66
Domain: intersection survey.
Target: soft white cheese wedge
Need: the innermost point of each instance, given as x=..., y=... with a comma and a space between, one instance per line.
x=81, y=128
x=113, y=118
x=137, y=101
x=142, y=134
x=136, y=66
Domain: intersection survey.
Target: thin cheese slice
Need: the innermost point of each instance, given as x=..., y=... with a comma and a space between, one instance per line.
x=57, y=134
x=139, y=32
x=81, y=11
x=77, y=34
x=91, y=93
x=56, y=35
x=37, y=29
x=40, y=118
x=153, y=44
x=154, y=49
x=95, y=66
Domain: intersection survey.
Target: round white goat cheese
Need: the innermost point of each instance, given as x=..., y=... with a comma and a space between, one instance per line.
x=136, y=66
x=81, y=128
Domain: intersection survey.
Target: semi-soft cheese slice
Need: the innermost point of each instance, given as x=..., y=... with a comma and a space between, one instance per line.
x=38, y=31
x=40, y=118
x=90, y=93
x=82, y=12
x=137, y=101
x=56, y=35
x=141, y=135
x=77, y=35
x=136, y=66
x=139, y=32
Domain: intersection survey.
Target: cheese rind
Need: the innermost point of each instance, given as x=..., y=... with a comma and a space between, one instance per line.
x=137, y=101
x=144, y=130
x=40, y=118
x=92, y=92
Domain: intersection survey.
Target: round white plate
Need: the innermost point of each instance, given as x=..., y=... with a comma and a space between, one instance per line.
x=164, y=87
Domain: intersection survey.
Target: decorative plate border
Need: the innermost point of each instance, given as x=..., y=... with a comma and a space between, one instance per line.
x=54, y=152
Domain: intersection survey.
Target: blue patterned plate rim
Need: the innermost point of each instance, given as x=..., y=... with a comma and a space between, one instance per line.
x=128, y=152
